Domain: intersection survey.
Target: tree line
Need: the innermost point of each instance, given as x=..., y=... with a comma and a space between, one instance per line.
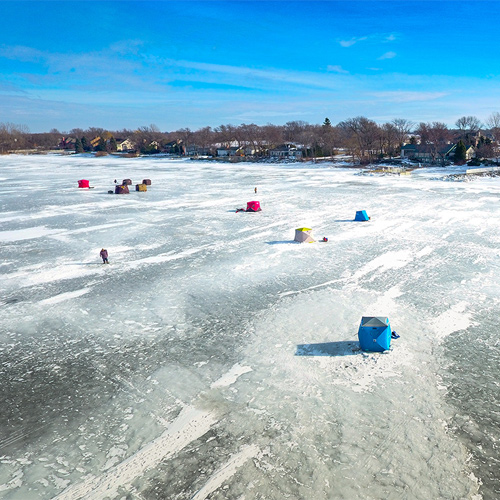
x=360, y=137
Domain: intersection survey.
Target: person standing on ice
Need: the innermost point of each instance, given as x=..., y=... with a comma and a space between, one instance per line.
x=255, y=190
x=104, y=256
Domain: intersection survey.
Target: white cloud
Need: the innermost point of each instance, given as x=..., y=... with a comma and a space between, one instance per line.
x=388, y=55
x=352, y=41
x=390, y=38
x=336, y=68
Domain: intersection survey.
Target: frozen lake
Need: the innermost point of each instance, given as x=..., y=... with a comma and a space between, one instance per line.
x=214, y=359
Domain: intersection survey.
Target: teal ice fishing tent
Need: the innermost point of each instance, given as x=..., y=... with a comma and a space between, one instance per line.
x=361, y=215
x=374, y=334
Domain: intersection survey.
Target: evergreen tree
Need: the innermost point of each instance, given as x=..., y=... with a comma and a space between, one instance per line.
x=86, y=144
x=112, y=144
x=327, y=123
x=460, y=152
x=101, y=145
x=78, y=146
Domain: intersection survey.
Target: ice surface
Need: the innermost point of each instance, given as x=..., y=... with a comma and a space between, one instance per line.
x=214, y=358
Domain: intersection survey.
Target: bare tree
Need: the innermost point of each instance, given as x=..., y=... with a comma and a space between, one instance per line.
x=390, y=139
x=292, y=131
x=403, y=128
x=362, y=133
x=186, y=135
x=204, y=137
x=493, y=123
x=13, y=137
x=272, y=136
x=225, y=134
x=145, y=135
x=469, y=127
x=433, y=138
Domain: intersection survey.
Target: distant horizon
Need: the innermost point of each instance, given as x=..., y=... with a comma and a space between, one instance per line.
x=451, y=127
x=122, y=65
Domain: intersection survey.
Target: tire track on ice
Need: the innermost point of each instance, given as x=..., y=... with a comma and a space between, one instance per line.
x=190, y=425
x=226, y=471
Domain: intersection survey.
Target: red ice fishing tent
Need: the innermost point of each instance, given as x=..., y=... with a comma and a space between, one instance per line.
x=83, y=183
x=147, y=182
x=127, y=182
x=253, y=206
x=121, y=189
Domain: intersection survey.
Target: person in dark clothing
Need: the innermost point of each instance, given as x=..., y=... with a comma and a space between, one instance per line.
x=104, y=256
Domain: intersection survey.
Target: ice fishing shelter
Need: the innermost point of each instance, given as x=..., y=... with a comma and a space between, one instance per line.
x=147, y=182
x=121, y=189
x=253, y=206
x=127, y=182
x=374, y=333
x=83, y=183
x=141, y=187
x=304, y=235
x=361, y=215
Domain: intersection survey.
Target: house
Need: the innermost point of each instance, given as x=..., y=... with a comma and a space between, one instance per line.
x=409, y=151
x=232, y=151
x=222, y=151
x=286, y=151
x=194, y=150
x=470, y=152
x=67, y=143
x=124, y=145
x=428, y=153
x=249, y=150
x=174, y=147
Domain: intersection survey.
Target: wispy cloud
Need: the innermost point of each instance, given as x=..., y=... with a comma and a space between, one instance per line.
x=337, y=69
x=21, y=53
x=252, y=115
x=387, y=55
x=124, y=47
x=407, y=96
x=352, y=41
x=10, y=87
x=374, y=38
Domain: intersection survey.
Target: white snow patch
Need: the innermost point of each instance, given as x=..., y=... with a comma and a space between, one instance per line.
x=453, y=320
x=231, y=376
x=226, y=471
x=64, y=296
x=27, y=233
x=384, y=262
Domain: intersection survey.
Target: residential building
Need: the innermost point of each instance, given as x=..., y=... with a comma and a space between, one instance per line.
x=286, y=151
x=428, y=153
x=124, y=145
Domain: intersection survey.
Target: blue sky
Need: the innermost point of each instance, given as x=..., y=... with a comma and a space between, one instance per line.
x=194, y=64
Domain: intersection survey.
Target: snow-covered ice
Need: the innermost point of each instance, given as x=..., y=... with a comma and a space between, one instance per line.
x=216, y=359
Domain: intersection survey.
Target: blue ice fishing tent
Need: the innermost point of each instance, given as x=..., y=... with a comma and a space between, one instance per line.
x=374, y=334
x=361, y=215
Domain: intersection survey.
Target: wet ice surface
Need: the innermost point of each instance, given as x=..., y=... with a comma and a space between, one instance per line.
x=213, y=359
